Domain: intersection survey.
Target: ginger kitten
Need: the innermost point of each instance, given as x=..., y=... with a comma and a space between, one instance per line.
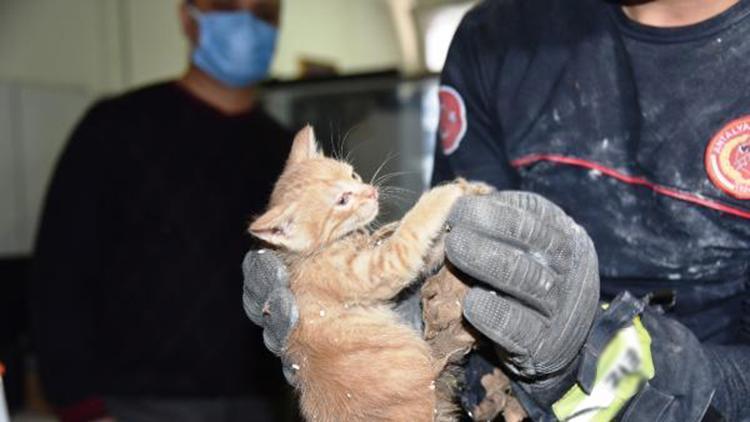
x=354, y=359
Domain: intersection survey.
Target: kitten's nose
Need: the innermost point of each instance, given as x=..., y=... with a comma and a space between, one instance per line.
x=373, y=193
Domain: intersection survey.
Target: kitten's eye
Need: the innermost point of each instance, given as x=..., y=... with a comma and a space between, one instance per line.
x=356, y=177
x=343, y=199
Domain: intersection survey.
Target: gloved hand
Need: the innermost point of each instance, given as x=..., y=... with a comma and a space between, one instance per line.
x=538, y=287
x=269, y=302
x=267, y=299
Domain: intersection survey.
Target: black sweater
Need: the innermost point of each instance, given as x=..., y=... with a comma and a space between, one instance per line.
x=137, y=287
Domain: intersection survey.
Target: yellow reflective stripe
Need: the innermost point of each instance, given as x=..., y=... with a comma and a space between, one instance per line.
x=622, y=368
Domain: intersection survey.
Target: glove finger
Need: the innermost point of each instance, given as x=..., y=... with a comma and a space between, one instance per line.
x=544, y=239
x=263, y=271
x=279, y=318
x=528, y=202
x=534, y=204
x=551, y=215
x=289, y=369
x=505, y=267
x=253, y=309
x=513, y=327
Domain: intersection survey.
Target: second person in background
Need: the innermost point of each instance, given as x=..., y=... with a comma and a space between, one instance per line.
x=136, y=309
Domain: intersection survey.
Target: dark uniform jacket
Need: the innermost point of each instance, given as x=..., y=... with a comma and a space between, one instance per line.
x=641, y=134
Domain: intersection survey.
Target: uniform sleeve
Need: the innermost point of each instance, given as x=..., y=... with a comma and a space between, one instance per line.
x=64, y=274
x=692, y=380
x=731, y=369
x=470, y=138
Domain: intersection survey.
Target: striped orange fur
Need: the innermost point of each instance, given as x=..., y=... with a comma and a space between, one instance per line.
x=354, y=359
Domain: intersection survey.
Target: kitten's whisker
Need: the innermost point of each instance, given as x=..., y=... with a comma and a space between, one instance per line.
x=387, y=198
x=346, y=138
x=388, y=176
x=348, y=157
x=398, y=173
x=343, y=142
x=332, y=140
x=399, y=193
x=349, y=153
x=400, y=199
x=334, y=151
x=388, y=158
x=390, y=197
x=388, y=188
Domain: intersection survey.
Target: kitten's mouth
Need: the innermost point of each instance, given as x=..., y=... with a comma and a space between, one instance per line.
x=372, y=196
x=375, y=210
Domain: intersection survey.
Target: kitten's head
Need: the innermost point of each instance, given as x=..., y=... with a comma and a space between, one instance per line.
x=315, y=201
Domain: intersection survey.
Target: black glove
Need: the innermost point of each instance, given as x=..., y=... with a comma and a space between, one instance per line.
x=537, y=299
x=269, y=302
x=538, y=287
x=267, y=299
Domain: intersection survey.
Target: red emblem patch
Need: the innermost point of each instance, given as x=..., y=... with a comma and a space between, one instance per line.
x=452, y=119
x=728, y=158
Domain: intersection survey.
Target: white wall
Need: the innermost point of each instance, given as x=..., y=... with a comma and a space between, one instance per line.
x=34, y=123
x=154, y=47
x=356, y=35
x=54, y=42
x=9, y=210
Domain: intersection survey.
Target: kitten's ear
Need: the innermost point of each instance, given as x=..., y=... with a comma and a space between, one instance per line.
x=275, y=226
x=304, y=146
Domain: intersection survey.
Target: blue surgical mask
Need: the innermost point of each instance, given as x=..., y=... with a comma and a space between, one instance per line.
x=234, y=47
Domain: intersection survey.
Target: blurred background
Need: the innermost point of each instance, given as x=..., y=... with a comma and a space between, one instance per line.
x=363, y=72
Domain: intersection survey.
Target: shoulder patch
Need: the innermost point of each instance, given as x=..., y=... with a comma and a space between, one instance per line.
x=452, y=119
x=727, y=158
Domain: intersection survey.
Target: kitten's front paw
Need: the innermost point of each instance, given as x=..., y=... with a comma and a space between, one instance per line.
x=479, y=188
x=474, y=188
